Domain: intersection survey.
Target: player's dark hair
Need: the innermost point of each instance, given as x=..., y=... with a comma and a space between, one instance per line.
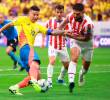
x=35, y=8
x=78, y=7
x=59, y=7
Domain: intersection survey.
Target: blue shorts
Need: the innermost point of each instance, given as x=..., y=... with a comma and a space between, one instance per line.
x=27, y=55
x=13, y=43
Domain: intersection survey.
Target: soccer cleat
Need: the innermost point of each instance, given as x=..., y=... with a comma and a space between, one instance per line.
x=81, y=80
x=15, y=90
x=71, y=86
x=61, y=81
x=21, y=69
x=35, y=85
x=15, y=65
x=50, y=85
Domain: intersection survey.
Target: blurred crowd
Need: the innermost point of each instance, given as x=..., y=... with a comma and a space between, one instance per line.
x=99, y=10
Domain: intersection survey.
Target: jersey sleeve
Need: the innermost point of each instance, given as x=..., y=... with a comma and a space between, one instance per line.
x=18, y=21
x=42, y=29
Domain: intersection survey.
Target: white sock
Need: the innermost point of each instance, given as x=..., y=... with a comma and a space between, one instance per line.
x=50, y=72
x=84, y=71
x=71, y=71
x=62, y=73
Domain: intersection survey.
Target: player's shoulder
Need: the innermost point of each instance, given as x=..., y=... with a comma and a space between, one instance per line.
x=23, y=18
x=88, y=19
x=70, y=14
x=50, y=21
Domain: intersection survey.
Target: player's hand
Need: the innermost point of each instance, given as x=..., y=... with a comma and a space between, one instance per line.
x=82, y=32
x=69, y=31
x=0, y=31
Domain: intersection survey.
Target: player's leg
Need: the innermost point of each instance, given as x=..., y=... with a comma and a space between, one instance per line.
x=15, y=88
x=50, y=69
x=31, y=59
x=34, y=70
x=64, y=56
x=74, y=52
x=52, y=57
x=86, y=61
x=11, y=49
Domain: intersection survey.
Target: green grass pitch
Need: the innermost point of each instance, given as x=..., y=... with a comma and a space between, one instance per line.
x=97, y=85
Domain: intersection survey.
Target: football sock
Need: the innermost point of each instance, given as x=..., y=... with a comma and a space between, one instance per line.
x=50, y=72
x=84, y=71
x=71, y=71
x=62, y=73
x=25, y=82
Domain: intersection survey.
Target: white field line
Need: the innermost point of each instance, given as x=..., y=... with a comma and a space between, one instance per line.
x=96, y=65
x=93, y=72
x=58, y=67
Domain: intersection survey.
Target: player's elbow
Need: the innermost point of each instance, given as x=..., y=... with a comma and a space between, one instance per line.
x=10, y=24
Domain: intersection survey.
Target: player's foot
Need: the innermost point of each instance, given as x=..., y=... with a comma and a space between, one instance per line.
x=14, y=90
x=81, y=80
x=49, y=84
x=35, y=85
x=61, y=81
x=71, y=86
x=15, y=65
x=21, y=69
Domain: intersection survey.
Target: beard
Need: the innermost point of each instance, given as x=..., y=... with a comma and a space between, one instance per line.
x=79, y=19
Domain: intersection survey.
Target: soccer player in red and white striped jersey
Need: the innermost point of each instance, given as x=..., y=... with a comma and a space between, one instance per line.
x=82, y=32
x=57, y=46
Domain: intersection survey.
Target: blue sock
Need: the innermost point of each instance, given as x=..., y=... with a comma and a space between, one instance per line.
x=16, y=59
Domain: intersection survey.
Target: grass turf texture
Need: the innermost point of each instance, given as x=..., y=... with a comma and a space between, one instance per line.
x=97, y=80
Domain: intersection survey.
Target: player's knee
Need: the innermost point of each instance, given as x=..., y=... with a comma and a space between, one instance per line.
x=35, y=64
x=74, y=59
x=66, y=65
x=8, y=51
x=52, y=62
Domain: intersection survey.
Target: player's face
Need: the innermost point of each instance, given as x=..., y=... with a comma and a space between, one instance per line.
x=1, y=18
x=59, y=13
x=78, y=15
x=33, y=15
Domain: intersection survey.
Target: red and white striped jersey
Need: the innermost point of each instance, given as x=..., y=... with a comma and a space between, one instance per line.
x=78, y=26
x=57, y=42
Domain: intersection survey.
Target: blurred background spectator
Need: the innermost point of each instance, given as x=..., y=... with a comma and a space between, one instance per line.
x=99, y=10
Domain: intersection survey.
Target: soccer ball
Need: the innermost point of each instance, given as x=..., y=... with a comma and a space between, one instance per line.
x=44, y=85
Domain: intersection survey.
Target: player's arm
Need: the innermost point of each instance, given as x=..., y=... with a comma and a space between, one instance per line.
x=47, y=31
x=80, y=37
x=64, y=23
x=83, y=36
x=60, y=30
x=6, y=26
x=56, y=32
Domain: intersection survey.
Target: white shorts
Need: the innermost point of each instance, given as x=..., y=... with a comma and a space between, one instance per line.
x=86, y=48
x=63, y=54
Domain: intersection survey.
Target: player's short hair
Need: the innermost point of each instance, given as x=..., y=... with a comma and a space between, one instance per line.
x=59, y=7
x=78, y=7
x=35, y=8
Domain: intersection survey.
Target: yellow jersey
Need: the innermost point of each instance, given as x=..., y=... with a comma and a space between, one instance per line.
x=27, y=30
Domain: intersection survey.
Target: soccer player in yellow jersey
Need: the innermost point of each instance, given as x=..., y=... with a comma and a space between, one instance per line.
x=28, y=29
